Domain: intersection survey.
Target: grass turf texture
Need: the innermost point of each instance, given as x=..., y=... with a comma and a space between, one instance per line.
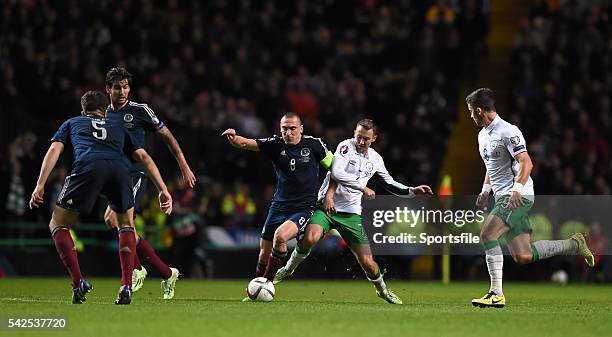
x=311, y=308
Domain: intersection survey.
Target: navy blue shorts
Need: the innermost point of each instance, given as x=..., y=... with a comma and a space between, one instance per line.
x=110, y=177
x=276, y=218
x=139, y=186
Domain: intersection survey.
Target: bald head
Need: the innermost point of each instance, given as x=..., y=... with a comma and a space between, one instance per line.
x=289, y=115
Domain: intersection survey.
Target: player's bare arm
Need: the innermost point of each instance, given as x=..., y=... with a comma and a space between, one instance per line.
x=165, y=200
x=328, y=202
x=524, y=170
x=240, y=142
x=176, y=151
x=55, y=149
x=483, y=197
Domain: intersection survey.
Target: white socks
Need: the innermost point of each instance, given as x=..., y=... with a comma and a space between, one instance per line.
x=295, y=260
x=548, y=248
x=495, y=264
x=379, y=283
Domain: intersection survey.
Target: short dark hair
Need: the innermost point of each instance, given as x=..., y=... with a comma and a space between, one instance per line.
x=368, y=124
x=481, y=98
x=117, y=74
x=93, y=101
x=292, y=115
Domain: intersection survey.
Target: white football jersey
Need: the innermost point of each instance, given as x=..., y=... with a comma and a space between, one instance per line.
x=498, y=144
x=352, y=171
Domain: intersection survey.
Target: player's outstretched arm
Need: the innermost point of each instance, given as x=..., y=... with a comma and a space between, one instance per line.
x=240, y=142
x=55, y=149
x=165, y=199
x=176, y=151
x=398, y=188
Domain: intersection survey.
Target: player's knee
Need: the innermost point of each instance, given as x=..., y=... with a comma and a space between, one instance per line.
x=484, y=237
x=310, y=239
x=523, y=258
x=282, y=235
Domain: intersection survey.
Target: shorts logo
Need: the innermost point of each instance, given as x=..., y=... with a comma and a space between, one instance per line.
x=515, y=140
x=305, y=152
x=128, y=118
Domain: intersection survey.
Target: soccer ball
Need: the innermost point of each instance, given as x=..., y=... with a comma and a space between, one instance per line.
x=260, y=289
x=560, y=277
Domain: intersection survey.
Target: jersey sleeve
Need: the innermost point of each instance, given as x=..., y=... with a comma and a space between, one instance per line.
x=62, y=134
x=321, y=153
x=269, y=146
x=151, y=122
x=515, y=142
x=339, y=167
x=389, y=183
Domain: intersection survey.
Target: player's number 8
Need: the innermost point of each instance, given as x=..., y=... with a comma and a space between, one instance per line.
x=100, y=132
x=292, y=164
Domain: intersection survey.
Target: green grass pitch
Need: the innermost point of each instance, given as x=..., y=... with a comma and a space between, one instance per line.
x=311, y=308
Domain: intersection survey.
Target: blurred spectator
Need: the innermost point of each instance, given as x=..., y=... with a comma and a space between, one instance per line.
x=239, y=207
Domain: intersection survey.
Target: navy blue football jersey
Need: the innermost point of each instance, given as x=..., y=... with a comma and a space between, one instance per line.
x=138, y=119
x=94, y=138
x=297, y=171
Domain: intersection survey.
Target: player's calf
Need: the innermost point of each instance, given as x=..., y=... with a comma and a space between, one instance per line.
x=287, y=231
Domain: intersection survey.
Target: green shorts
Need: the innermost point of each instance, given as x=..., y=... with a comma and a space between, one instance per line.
x=347, y=224
x=516, y=219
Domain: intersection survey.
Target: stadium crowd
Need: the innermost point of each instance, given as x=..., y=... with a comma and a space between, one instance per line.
x=561, y=89
x=204, y=66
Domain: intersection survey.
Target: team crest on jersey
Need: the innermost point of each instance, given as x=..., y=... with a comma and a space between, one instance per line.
x=305, y=152
x=495, y=144
x=128, y=118
x=515, y=140
x=369, y=167
x=494, y=148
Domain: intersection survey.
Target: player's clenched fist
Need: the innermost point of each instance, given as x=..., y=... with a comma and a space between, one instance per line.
x=230, y=134
x=483, y=199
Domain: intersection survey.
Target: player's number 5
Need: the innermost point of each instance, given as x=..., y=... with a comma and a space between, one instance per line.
x=100, y=132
